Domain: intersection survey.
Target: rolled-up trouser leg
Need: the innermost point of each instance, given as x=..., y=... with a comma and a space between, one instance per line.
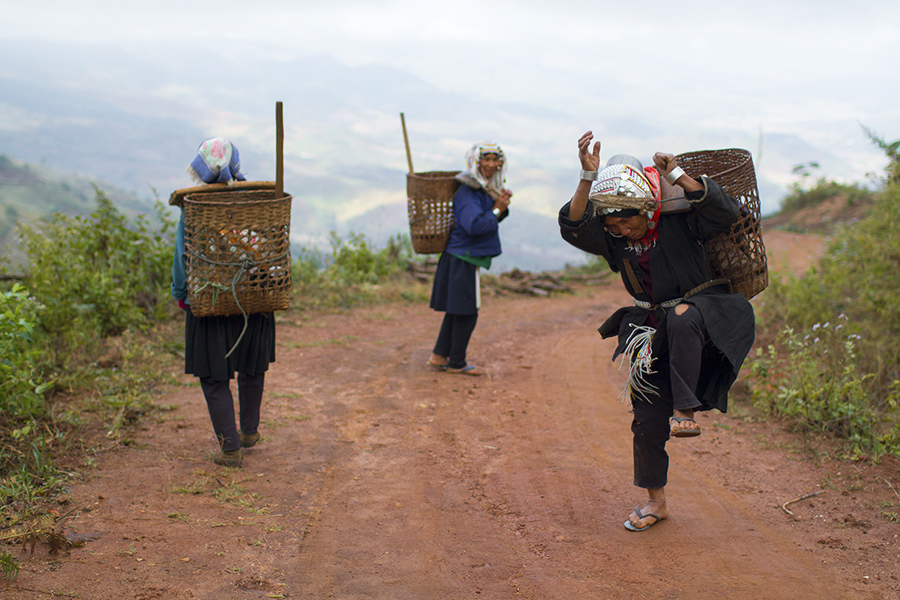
x=650, y=427
x=220, y=403
x=250, y=393
x=686, y=336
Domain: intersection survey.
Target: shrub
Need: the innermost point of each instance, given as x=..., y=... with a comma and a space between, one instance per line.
x=354, y=273
x=22, y=386
x=856, y=284
x=817, y=380
x=804, y=194
x=97, y=276
x=355, y=262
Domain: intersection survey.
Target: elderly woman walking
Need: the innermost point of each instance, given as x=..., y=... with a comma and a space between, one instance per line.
x=686, y=335
x=210, y=352
x=479, y=205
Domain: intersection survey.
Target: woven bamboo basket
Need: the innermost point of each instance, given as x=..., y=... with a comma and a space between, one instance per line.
x=237, y=248
x=430, y=207
x=738, y=255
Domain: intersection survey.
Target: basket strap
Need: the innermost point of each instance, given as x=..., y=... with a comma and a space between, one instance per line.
x=629, y=271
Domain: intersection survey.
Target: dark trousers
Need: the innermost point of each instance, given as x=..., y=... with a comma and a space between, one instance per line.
x=453, y=339
x=675, y=378
x=220, y=403
x=686, y=335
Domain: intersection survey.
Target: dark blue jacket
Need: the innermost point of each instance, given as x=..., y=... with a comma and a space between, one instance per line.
x=476, y=229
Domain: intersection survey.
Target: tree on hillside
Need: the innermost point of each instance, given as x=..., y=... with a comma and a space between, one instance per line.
x=892, y=150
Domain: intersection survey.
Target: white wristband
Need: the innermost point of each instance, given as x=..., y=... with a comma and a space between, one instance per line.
x=496, y=212
x=674, y=174
x=589, y=175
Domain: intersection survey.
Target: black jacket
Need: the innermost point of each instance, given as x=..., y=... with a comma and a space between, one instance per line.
x=678, y=265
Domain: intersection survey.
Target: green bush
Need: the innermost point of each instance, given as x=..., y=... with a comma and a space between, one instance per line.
x=804, y=194
x=854, y=284
x=22, y=385
x=352, y=274
x=817, y=380
x=354, y=262
x=97, y=276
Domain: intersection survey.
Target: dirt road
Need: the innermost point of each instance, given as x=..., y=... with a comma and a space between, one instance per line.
x=378, y=478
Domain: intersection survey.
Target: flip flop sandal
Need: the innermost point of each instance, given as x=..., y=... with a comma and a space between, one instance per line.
x=470, y=370
x=682, y=432
x=435, y=367
x=632, y=527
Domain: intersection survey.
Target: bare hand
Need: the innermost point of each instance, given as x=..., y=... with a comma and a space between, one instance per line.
x=502, y=201
x=590, y=159
x=664, y=162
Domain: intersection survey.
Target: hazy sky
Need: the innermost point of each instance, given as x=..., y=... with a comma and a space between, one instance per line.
x=816, y=69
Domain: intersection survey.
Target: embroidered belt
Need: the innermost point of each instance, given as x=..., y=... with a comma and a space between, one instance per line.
x=671, y=303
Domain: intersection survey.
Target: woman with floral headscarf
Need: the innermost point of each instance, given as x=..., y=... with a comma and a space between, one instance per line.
x=210, y=352
x=686, y=335
x=479, y=205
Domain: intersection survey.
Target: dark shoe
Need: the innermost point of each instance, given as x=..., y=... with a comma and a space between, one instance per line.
x=248, y=440
x=233, y=458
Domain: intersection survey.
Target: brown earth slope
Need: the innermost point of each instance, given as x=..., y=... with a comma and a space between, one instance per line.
x=378, y=478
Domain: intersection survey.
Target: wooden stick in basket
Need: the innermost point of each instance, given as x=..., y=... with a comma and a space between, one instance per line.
x=406, y=143
x=279, y=151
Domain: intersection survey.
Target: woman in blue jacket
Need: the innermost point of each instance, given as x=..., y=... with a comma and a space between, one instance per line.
x=479, y=205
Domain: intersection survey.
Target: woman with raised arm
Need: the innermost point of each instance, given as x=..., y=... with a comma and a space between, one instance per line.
x=686, y=335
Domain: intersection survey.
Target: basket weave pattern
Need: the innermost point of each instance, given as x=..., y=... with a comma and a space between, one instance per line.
x=430, y=207
x=237, y=246
x=738, y=255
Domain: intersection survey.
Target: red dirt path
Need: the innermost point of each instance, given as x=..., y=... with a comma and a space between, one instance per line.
x=378, y=478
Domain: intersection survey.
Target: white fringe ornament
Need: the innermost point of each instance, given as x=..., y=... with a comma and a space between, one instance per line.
x=640, y=362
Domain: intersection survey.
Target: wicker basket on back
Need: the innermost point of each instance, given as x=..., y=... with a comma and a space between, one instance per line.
x=430, y=208
x=237, y=249
x=738, y=255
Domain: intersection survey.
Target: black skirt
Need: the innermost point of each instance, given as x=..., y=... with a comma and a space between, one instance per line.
x=455, y=289
x=208, y=339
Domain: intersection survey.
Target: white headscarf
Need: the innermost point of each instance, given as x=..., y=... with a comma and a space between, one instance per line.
x=473, y=158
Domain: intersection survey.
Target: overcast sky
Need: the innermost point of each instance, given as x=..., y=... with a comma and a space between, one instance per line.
x=817, y=69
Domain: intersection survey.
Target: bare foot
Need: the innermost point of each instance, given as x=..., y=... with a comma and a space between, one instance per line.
x=438, y=362
x=682, y=424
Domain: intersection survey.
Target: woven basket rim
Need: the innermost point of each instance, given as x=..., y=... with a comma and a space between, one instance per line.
x=237, y=202
x=744, y=154
x=176, y=198
x=433, y=174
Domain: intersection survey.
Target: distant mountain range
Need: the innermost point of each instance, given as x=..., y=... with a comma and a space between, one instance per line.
x=132, y=117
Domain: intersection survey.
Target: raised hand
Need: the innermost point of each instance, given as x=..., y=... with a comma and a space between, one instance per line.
x=590, y=159
x=664, y=162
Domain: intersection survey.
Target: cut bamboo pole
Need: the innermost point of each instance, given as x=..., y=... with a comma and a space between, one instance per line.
x=279, y=151
x=406, y=143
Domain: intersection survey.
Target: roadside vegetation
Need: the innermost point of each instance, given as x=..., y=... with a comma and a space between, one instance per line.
x=829, y=363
